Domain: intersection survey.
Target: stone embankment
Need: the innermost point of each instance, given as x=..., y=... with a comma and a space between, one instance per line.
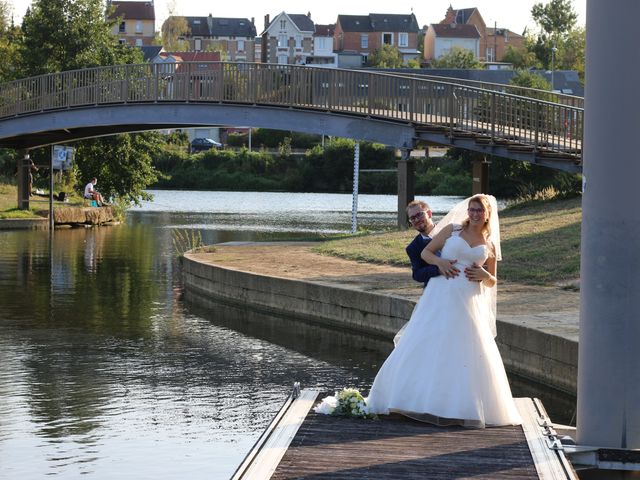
x=83, y=215
x=537, y=326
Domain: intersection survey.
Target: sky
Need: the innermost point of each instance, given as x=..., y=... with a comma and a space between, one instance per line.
x=512, y=14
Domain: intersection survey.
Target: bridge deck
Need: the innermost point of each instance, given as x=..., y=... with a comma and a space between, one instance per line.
x=396, y=447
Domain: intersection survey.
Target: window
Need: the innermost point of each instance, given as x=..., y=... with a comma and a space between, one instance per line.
x=240, y=46
x=138, y=26
x=283, y=24
x=321, y=43
x=403, y=40
x=490, y=54
x=282, y=41
x=365, y=58
x=197, y=44
x=122, y=41
x=364, y=40
x=138, y=42
x=123, y=27
x=387, y=38
x=283, y=59
x=298, y=41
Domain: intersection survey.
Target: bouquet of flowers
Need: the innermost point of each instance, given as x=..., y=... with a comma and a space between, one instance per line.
x=348, y=403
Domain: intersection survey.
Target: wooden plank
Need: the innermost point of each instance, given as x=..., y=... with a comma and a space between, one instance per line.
x=397, y=447
x=271, y=452
x=550, y=463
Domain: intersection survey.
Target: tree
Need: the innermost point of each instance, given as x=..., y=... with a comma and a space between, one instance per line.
x=556, y=17
x=571, y=51
x=521, y=58
x=174, y=29
x=457, y=57
x=122, y=164
x=64, y=35
x=556, y=20
x=387, y=56
x=9, y=42
x=525, y=78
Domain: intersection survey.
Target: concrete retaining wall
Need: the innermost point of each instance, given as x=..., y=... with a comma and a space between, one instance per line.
x=532, y=353
x=24, y=224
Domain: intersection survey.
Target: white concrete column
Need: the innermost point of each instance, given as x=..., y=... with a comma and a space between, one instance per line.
x=609, y=349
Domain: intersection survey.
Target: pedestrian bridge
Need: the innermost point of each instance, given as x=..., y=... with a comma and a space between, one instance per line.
x=398, y=110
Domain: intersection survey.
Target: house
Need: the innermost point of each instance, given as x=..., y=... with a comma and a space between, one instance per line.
x=288, y=39
x=135, y=21
x=366, y=33
x=235, y=37
x=323, y=55
x=441, y=38
x=493, y=41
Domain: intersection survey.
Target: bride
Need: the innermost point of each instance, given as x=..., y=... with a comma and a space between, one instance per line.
x=446, y=368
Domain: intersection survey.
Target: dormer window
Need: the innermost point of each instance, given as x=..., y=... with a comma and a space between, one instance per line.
x=283, y=24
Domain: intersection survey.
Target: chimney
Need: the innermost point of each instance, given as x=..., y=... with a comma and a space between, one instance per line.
x=253, y=20
x=266, y=21
x=309, y=14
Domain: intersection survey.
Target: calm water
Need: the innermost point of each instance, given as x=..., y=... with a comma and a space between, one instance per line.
x=105, y=373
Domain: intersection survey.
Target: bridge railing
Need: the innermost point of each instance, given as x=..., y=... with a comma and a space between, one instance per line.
x=535, y=120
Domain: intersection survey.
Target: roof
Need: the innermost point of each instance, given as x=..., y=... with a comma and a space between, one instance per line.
x=325, y=30
x=150, y=51
x=455, y=30
x=303, y=22
x=502, y=32
x=194, y=56
x=220, y=27
x=232, y=27
x=133, y=10
x=379, y=22
x=463, y=14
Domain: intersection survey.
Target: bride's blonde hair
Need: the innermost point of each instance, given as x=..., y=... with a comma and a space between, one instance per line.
x=484, y=201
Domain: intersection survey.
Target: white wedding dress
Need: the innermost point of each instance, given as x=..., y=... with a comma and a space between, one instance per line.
x=446, y=368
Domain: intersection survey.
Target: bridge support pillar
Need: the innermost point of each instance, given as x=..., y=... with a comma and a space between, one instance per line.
x=609, y=357
x=406, y=185
x=480, y=175
x=24, y=172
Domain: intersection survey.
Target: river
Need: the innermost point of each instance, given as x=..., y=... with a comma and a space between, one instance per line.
x=105, y=373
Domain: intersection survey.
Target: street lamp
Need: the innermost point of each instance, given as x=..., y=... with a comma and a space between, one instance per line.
x=554, y=49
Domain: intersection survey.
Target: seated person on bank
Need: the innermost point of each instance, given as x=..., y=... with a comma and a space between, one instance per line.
x=91, y=193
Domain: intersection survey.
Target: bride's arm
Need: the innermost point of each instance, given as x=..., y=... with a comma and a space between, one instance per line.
x=487, y=273
x=445, y=266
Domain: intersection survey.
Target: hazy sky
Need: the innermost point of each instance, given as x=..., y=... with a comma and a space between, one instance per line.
x=512, y=14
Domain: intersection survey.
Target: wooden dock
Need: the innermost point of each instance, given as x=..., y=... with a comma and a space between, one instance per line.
x=302, y=444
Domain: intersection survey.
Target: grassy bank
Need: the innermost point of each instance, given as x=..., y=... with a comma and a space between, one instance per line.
x=9, y=203
x=540, y=243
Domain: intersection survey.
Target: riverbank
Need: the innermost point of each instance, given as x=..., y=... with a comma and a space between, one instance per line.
x=537, y=325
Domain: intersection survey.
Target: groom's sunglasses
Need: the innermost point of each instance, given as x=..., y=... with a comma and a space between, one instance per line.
x=417, y=216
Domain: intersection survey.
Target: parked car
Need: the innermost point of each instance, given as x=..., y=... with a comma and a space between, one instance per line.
x=202, y=144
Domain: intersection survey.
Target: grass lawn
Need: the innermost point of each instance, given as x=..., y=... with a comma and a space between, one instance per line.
x=9, y=203
x=540, y=243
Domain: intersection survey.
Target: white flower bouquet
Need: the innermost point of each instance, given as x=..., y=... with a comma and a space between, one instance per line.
x=348, y=403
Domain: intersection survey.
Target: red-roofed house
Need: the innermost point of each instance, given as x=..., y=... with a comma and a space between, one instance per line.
x=136, y=21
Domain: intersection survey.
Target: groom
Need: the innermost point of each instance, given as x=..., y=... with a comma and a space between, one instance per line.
x=419, y=215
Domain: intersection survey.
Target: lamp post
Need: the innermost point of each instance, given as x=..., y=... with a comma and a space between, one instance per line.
x=553, y=61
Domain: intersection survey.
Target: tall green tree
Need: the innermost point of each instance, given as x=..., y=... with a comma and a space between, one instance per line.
x=457, y=57
x=556, y=20
x=9, y=42
x=64, y=35
x=387, y=56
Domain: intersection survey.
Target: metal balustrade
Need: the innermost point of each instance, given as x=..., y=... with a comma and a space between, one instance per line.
x=539, y=121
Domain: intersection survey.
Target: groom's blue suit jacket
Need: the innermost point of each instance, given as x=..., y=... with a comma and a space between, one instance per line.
x=420, y=270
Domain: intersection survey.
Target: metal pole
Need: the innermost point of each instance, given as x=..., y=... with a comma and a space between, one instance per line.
x=609, y=358
x=356, y=176
x=553, y=63
x=250, y=140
